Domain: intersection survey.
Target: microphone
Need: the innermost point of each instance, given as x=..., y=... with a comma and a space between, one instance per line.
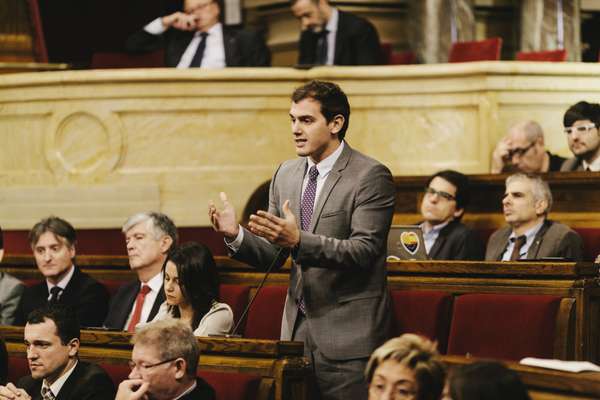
x=234, y=333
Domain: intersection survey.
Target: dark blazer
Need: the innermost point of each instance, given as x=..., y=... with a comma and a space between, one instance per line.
x=553, y=240
x=356, y=43
x=87, y=382
x=339, y=268
x=572, y=164
x=123, y=301
x=242, y=48
x=86, y=295
x=456, y=242
x=202, y=391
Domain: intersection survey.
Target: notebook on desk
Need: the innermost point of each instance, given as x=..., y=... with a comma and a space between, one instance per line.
x=405, y=242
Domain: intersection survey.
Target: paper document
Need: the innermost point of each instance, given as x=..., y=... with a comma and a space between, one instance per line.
x=560, y=365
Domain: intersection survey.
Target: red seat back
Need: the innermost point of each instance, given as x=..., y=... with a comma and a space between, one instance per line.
x=425, y=312
x=548, y=55
x=504, y=326
x=232, y=386
x=482, y=50
x=402, y=58
x=264, y=317
x=117, y=372
x=17, y=368
x=236, y=296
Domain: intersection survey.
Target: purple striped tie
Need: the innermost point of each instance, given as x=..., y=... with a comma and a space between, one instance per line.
x=308, y=198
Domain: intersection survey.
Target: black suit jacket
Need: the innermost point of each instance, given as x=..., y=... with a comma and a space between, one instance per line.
x=202, y=391
x=242, y=48
x=87, y=382
x=457, y=242
x=123, y=301
x=83, y=293
x=356, y=43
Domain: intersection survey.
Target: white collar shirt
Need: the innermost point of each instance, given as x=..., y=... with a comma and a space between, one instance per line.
x=214, y=52
x=324, y=168
x=529, y=236
x=593, y=166
x=431, y=235
x=155, y=285
x=60, y=382
x=62, y=283
x=189, y=390
x=332, y=26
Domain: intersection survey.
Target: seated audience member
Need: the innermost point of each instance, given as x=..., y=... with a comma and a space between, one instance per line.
x=582, y=122
x=11, y=290
x=149, y=237
x=522, y=150
x=52, y=340
x=192, y=289
x=446, y=238
x=333, y=37
x=53, y=243
x=196, y=38
x=406, y=367
x=486, y=380
x=163, y=364
x=529, y=234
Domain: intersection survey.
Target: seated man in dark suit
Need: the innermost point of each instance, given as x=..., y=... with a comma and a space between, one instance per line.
x=333, y=37
x=529, y=234
x=443, y=205
x=52, y=341
x=148, y=237
x=196, y=38
x=53, y=243
x=163, y=364
x=11, y=290
x=582, y=127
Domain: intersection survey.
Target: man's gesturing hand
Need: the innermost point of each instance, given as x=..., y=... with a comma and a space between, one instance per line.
x=283, y=232
x=224, y=220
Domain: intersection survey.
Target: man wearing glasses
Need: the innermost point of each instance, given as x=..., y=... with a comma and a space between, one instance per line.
x=443, y=205
x=163, y=364
x=196, y=38
x=581, y=123
x=51, y=338
x=522, y=150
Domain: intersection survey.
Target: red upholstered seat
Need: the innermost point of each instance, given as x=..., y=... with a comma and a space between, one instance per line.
x=548, y=55
x=504, y=326
x=425, y=312
x=264, y=317
x=482, y=50
x=112, y=285
x=236, y=296
x=402, y=58
x=591, y=242
x=17, y=368
x=30, y=282
x=127, y=60
x=232, y=386
x=117, y=372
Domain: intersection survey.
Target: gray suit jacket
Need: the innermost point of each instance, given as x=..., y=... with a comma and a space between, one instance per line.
x=572, y=164
x=553, y=240
x=339, y=266
x=11, y=290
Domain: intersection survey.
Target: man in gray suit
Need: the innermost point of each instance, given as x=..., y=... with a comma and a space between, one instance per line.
x=529, y=234
x=331, y=209
x=11, y=290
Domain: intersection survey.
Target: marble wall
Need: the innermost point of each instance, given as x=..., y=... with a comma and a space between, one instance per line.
x=96, y=146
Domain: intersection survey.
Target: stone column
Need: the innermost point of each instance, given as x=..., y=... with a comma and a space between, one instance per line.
x=435, y=24
x=551, y=25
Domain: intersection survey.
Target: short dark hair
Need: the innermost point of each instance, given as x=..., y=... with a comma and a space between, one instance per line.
x=460, y=181
x=57, y=226
x=198, y=278
x=582, y=111
x=489, y=380
x=332, y=99
x=64, y=317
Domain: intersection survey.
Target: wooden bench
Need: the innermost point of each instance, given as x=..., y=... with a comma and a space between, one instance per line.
x=280, y=365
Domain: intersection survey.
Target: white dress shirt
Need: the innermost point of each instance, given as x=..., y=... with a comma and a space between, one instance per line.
x=324, y=168
x=431, y=235
x=593, y=166
x=155, y=285
x=529, y=236
x=62, y=283
x=60, y=382
x=332, y=26
x=214, y=52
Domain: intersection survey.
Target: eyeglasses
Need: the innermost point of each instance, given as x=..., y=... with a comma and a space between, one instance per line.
x=519, y=151
x=145, y=367
x=377, y=390
x=445, y=195
x=580, y=128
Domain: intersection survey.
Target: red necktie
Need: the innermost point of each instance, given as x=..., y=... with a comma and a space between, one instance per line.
x=137, y=312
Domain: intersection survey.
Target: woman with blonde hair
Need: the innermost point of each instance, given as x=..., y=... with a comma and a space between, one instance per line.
x=405, y=368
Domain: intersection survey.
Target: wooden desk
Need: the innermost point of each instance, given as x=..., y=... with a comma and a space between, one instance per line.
x=279, y=362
